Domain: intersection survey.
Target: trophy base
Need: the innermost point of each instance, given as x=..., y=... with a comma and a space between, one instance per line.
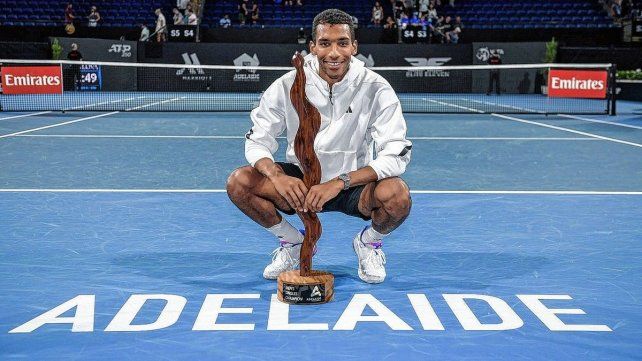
x=314, y=289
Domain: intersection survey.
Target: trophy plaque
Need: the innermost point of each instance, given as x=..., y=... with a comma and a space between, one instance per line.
x=306, y=286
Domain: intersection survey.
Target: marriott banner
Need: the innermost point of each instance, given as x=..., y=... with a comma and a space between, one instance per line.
x=31, y=80
x=577, y=83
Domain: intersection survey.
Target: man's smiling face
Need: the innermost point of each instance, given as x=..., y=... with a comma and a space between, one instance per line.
x=333, y=47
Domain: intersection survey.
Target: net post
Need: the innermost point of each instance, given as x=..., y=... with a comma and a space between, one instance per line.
x=612, y=86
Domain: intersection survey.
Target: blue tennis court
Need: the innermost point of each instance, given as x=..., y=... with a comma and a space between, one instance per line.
x=523, y=243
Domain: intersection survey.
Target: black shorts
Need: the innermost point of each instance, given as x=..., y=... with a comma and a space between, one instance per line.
x=346, y=202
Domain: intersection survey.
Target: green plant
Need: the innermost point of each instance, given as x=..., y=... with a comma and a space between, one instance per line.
x=550, y=56
x=551, y=51
x=56, y=49
x=629, y=74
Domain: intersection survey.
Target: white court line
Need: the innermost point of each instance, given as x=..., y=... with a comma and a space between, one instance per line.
x=103, y=103
x=455, y=106
x=516, y=192
x=241, y=137
x=505, y=106
x=24, y=115
x=566, y=130
x=155, y=103
x=599, y=121
x=57, y=125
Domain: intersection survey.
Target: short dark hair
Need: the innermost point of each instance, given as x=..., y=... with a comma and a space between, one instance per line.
x=332, y=16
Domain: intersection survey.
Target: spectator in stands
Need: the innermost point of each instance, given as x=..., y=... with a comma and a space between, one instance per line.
x=397, y=9
x=94, y=17
x=161, y=26
x=390, y=23
x=225, y=22
x=494, y=59
x=73, y=74
x=192, y=19
x=178, y=17
x=69, y=14
x=144, y=33
x=254, y=13
x=299, y=3
x=403, y=20
x=244, y=11
x=432, y=12
x=181, y=5
x=287, y=3
x=616, y=8
x=445, y=27
x=453, y=35
x=437, y=30
x=409, y=6
x=423, y=7
x=355, y=21
x=377, y=14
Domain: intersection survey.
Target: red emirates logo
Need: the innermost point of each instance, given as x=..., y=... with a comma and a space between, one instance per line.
x=577, y=83
x=31, y=80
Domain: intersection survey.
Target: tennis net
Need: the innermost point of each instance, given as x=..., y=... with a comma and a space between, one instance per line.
x=34, y=85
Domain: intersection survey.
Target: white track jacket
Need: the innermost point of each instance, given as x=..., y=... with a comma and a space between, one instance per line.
x=361, y=122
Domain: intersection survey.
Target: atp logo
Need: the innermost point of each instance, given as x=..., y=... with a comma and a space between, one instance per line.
x=427, y=62
x=124, y=50
x=250, y=75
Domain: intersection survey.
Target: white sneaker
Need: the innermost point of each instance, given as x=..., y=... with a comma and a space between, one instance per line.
x=285, y=258
x=371, y=260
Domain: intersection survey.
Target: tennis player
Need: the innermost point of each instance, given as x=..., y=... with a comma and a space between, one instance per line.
x=361, y=145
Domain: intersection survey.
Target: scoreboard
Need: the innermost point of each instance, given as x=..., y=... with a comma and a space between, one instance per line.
x=91, y=77
x=184, y=33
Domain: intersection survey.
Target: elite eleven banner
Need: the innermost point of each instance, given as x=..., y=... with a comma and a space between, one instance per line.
x=31, y=79
x=577, y=83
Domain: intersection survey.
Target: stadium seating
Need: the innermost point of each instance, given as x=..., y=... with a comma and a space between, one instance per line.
x=476, y=14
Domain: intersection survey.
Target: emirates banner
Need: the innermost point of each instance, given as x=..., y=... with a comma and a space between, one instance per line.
x=31, y=80
x=577, y=83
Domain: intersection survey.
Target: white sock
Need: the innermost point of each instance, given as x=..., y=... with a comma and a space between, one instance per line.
x=372, y=238
x=286, y=232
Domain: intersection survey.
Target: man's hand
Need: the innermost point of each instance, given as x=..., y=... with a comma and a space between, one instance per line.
x=292, y=189
x=320, y=194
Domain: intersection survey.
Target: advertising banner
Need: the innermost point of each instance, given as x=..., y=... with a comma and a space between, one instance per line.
x=113, y=78
x=31, y=80
x=511, y=81
x=577, y=83
x=197, y=79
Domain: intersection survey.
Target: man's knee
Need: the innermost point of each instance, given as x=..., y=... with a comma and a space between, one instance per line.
x=394, y=196
x=240, y=182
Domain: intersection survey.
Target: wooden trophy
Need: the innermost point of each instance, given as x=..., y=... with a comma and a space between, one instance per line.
x=306, y=286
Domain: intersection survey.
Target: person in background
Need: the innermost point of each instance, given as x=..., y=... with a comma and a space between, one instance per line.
x=144, y=33
x=244, y=11
x=377, y=14
x=181, y=5
x=457, y=27
x=254, y=13
x=225, y=22
x=73, y=74
x=161, y=26
x=494, y=59
x=69, y=14
x=94, y=17
x=192, y=19
x=178, y=17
